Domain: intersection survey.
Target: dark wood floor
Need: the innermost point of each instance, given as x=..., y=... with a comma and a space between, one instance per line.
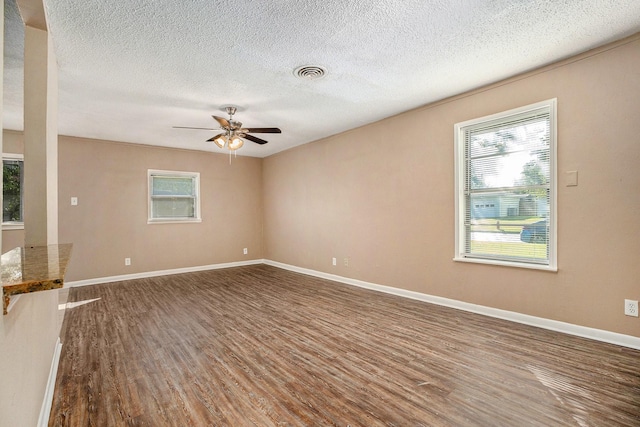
x=260, y=346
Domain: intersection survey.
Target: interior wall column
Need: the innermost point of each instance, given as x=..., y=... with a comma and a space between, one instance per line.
x=40, y=139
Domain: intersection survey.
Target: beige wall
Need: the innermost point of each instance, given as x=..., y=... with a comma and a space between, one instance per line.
x=110, y=221
x=28, y=336
x=12, y=142
x=12, y=239
x=383, y=196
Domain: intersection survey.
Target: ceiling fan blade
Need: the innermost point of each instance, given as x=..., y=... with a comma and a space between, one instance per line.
x=263, y=130
x=215, y=137
x=189, y=127
x=255, y=139
x=223, y=122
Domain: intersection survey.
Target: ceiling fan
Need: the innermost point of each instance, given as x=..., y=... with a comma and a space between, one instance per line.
x=234, y=132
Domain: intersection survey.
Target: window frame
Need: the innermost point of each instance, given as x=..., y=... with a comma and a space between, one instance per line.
x=14, y=225
x=195, y=176
x=460, y=201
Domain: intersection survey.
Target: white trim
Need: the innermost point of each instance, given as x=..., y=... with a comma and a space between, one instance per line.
x=532, y=266
x=540, y=322
x=157, y=273
x=174, y=221
x=12, y=225
x=45, y=409
x=13, y=156
x=459, y=172
x=553, y=188
x=195, y=176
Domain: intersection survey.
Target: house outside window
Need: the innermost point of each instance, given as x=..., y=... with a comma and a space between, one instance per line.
x=506, y=188
x=174, y=196
x=12, y=191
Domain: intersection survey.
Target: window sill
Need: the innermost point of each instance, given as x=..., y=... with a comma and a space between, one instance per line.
x=507, y=264
x=12, y=226
x=174, y=221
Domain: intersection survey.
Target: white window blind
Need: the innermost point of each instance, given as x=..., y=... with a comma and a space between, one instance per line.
x=506, y=187
x=173, y=196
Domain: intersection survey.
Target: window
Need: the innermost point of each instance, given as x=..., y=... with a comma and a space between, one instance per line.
x=505, y=188
x=12, y=197
x=174, y=196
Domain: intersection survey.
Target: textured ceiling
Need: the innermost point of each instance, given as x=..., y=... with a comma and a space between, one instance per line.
x=130, y=70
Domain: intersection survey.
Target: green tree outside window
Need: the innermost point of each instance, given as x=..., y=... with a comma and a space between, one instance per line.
x=12, y=180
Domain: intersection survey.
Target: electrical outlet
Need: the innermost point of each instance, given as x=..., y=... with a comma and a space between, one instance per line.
x=74, y=201
x=245, y=251
x=334, y=261
x=127, y=261
x=631, y=308
x=346, y=262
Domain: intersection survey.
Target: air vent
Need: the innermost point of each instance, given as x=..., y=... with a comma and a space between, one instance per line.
x=310, y=72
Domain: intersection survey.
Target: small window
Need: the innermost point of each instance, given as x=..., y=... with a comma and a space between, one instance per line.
x=12, y=186
x=509, y=158
x=174, y=196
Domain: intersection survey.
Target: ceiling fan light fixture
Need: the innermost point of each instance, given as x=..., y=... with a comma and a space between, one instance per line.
x=235, y=143
x=220, y=141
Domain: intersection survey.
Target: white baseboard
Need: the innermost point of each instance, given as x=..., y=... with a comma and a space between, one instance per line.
x=540, y=322
x=157, y=273
x=554, y=325
x=45, y=409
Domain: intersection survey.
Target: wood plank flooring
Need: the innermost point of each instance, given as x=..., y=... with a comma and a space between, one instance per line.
x=261, y=346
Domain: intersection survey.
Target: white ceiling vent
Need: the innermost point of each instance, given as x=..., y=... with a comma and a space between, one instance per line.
x=310, y=72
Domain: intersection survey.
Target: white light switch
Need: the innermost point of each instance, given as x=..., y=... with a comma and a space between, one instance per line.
x=572, y=178
x=74, y=201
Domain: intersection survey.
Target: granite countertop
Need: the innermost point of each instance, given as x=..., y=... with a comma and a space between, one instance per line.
x=33, y=268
